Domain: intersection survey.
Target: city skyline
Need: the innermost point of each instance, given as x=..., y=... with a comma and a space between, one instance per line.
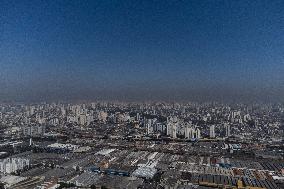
x=141, y=94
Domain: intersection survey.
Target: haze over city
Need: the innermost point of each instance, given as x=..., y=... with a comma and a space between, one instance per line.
x=141, y=50
x=141, y=94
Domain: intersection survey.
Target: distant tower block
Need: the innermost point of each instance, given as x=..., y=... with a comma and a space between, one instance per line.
x=172, y=127
x=197, y=133
x=31, y=141
x=212, y=131
x=174, y=131
x=228, y=130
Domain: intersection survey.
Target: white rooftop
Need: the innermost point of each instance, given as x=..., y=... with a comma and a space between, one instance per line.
x=105, y=151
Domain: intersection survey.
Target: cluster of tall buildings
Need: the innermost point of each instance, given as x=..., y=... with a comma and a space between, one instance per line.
x=192, y=132
x=205, y=120
x=227, y=129
x=11, y=165
x=33, y=130
x=177, y=128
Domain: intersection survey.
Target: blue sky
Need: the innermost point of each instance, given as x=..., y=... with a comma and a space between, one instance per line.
x=141, y=50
